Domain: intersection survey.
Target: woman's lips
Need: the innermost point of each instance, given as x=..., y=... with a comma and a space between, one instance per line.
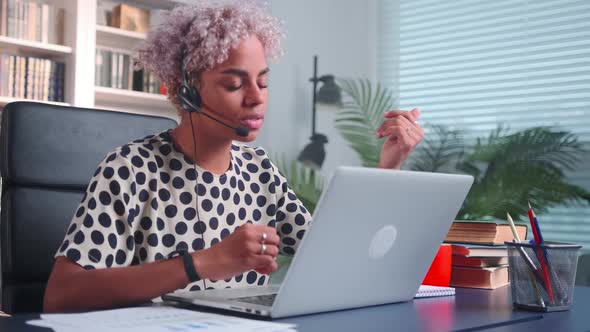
x=252, y=123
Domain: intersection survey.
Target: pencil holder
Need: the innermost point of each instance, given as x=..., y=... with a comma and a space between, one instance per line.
x=542, y=275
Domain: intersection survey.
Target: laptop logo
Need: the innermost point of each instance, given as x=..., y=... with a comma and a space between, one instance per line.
x=382, y=242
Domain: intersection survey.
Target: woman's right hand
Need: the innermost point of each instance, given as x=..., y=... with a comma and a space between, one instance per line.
x=239, y=252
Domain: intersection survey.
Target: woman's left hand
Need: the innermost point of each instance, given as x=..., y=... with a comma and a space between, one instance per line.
x=402, y=134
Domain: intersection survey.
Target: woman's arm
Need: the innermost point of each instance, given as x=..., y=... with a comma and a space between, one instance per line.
x=73, y=288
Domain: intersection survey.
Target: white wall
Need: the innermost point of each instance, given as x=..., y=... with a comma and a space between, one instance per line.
x=342, y=34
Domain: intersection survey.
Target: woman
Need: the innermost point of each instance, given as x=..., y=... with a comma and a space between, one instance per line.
x=189, y=208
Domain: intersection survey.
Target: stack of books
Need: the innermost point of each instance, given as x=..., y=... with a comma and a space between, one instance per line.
x=31, y=78
x=480, y=258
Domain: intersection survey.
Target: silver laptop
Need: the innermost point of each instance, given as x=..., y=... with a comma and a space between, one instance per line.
x=373, y=237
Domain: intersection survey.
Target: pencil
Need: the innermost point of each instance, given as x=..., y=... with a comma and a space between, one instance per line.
x=540, y=254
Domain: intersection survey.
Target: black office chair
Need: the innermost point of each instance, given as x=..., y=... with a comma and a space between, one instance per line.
x=48, y=155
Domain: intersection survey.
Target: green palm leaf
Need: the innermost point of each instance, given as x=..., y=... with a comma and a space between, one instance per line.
x=361, y=116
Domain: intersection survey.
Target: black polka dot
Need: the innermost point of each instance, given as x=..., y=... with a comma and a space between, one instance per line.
x=114, y=187
x=214, y=241
x=164, y=194
x=178, y=182
x=254, y=187
x=64, y=245
x=165, y=149
x=79, y=237
x=109, y=260
x=123, y=172
x=233, y=182
x=236, y=198
x=108, y=172
x=152, y=240
x=224, y=233
x=251, y=277
x=144, y=195
x=104, y=219
x=98, y=170
x=171, y=211
x=130, y=243
x=142, y=254
x=261, y=280
x=159, y=256
x=195, y=288
x=289, y=251
x=246, y=176
x=138, y=237
x=175, y=164
x=247, y=155
x=190, y=174
x=143, y=152
x=223, y=178
x=168, y=240
x=288, y=241
x=159, y=161
x=88, y=221
x=152, y=167
x=200, y=227
x=146, y=223
x=256, y=215
x=73, y=254
x=266, y=164
x=97, y=237
x=125, y=150
x=190, y=213
x=248, y=199
x=242, y=214
x=137, y=161
x=239, y=277
x=225, y=193
x=207, y=205
x=291, y=207
x=281, y=216
x=112, y=240
x=261, y=201
x=201, y=189
x=213, y=223
x=241, y=185
x=160, y=224
x=220, y=209
x=214, y=192
x=140, y=178
x=300, y=234
x=80, y=212
x=252, y=168
x=271, y=210
x=182, y=246
x=92, y=186
x=186, y=198
x=92, y=203
x=300, y=219
x=153, y=185
x=133, y=188
x=126, y=198
x=181, y=228
x=207, y=177
x=94, y=255
x=164, y=177
x=71, y=229
x=198, y=244
x=105, y=198
x=230, y=219
x=286, y=228
x=120, y=257
x=264, y=177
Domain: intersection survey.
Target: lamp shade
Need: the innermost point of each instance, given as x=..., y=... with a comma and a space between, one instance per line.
x=329, y=92
x=314, y=153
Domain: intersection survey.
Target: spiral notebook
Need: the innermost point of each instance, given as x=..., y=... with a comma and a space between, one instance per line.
x=431, y=291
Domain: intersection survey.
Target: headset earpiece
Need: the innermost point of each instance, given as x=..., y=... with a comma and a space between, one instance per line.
x=189, y=96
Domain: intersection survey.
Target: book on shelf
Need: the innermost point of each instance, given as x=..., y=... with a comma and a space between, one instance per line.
x=482, y=232
x=130, y=18
x=473, y=277
x=31, y=78
x=479, y=261
x=32, y=20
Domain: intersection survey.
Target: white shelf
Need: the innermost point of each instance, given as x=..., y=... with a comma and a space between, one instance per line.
x=19, y=46
x=134, y=102
x=118, y=38
x=5, y=100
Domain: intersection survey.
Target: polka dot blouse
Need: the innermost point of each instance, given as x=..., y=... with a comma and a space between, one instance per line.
x=140, y=206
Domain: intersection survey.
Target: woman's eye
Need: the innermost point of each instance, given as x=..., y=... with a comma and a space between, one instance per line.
x=263, y=85
x=233, y=87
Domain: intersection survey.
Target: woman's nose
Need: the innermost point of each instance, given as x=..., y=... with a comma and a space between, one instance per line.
x=255, y=95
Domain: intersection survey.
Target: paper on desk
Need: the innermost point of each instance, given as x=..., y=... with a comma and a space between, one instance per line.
x=154, y=319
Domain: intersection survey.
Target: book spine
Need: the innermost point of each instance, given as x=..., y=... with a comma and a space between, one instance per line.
x=31, y=20
x=50, y=81
x=113, y=70
x=11, y=69
x=45, y=23
x=4, y=17
x=10, y=19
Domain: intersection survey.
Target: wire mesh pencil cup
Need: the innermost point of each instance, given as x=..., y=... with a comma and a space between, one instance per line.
x=542, y=276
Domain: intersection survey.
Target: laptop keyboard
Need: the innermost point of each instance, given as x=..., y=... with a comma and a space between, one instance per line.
x=266, y=300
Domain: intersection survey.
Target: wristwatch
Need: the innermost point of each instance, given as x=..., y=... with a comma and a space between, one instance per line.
x=189, y=265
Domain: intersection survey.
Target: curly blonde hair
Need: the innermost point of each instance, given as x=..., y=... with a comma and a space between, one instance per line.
x=205, y=32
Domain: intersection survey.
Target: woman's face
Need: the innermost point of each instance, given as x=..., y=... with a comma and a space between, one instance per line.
x=235, y=91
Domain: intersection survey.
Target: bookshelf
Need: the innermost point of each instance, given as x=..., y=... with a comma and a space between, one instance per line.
x=83, y=34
